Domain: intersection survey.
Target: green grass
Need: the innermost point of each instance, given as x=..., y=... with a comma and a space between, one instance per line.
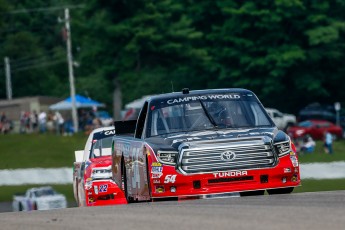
x=35, y=150
x=320, y=156
x=321, y=185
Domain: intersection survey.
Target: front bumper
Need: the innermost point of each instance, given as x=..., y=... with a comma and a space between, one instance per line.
x=103, y=192
x=169, y=183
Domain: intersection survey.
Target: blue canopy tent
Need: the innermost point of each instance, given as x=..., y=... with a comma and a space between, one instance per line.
x=81, y=102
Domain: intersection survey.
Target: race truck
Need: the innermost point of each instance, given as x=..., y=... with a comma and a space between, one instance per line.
x=202, y=143
x=40, y=198
x=92, y=183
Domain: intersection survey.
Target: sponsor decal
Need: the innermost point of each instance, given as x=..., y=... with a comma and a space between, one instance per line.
x=294, y=178
x=89, y=193
x=156, y=175
x=169, y=179
x=91, y=200
x=156, y=181
x=230, y=174
x=89, y=179
x=204, y=97
x=159, y=189
x=157, y=169
x=294, y=160
x=110, y=132
x=156, y=164
x=287, y=170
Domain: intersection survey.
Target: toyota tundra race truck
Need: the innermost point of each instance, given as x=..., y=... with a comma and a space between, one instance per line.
x=201, y=143
x=92, y=179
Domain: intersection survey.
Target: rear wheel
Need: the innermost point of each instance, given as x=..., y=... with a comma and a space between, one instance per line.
x=253, y=193
x=34, y=206
x=280, y=191
x=124, y=183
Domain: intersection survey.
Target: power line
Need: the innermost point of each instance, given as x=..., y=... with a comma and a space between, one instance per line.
x=43, y=9
x=39, y=65
x=16, y=64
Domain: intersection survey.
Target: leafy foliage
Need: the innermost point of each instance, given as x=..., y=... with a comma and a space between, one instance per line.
x=289, y=52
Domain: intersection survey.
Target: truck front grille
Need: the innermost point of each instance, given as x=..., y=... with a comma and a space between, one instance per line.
x=224, y=156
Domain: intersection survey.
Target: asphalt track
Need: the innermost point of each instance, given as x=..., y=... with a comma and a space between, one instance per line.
x=318, y=210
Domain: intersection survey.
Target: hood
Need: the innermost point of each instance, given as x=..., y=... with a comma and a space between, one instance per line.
x=173, y=141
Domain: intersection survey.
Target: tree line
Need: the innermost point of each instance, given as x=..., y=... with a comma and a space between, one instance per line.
x=289, y=52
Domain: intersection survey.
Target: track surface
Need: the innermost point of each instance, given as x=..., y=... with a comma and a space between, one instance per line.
x=319, y=210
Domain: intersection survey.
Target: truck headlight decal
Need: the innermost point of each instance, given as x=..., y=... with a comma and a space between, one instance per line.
x=283, y=148
x=167, y=157
x=101, y=173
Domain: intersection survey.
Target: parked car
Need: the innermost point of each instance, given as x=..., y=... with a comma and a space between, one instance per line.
x=92, y=182
x=203, y=142
x=315, y=128
x=281, y=120
x=41, y=198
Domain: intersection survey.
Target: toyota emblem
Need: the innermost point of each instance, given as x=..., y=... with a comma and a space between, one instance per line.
x=227, y=156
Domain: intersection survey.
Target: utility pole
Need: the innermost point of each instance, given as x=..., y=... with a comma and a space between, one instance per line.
x=70, y=70
x=8, y=78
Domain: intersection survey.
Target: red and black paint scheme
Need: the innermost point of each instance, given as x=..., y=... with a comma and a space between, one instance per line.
x=202, y=143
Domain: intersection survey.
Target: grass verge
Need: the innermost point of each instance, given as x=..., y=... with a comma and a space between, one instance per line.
x=39, y=151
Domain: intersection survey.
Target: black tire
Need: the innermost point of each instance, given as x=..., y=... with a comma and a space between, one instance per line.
x=148, y=179
x=280, y=191
x=34, y=207
x=124, y=178
x=20, y=208
x=253, y=193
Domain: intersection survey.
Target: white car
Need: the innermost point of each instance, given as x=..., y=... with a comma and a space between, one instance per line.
x=41, y=198
x=281, y=120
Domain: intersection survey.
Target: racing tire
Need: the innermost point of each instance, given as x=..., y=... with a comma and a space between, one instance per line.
x=280, y=191
x=124, y=178
x=34, y=207
x=253, y=193
x=148, y=179
x=20, y=208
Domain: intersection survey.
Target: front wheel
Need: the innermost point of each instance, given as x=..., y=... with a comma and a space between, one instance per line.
x=280, y=191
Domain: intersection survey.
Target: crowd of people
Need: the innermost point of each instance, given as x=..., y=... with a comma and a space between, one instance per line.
x=307, y=144
x=50, y=122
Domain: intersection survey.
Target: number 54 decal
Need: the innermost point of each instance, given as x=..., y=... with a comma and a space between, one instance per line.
x=170, y=179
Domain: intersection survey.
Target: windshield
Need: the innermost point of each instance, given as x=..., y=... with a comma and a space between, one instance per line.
x=101, y=147
x=205, y=114
x=44, y=192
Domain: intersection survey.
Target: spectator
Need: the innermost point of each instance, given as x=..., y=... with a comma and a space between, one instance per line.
x=5, y=125
x=22, y=122
x=42, y=121
x=50, y=122
x=308, y=145
x=34, y=121
x=59, y=123
x=328, y=142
